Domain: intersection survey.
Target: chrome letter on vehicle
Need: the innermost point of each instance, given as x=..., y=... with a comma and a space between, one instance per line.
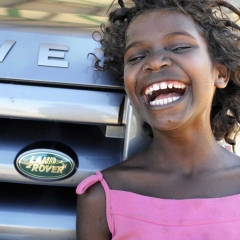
x=46, y=55
x=5, y=48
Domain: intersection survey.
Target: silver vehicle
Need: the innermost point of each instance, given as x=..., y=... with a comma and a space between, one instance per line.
x=60, y=119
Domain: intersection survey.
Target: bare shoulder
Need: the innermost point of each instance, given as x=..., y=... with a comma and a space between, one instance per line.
x=232, y=158
x=229, y=176
x=124, y=173
x=91, y=214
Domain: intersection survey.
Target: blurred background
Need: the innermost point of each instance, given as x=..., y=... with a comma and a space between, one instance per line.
x=78, y=13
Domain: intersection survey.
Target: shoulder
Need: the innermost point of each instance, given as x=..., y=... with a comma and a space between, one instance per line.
x=119, y=176
x=228, y=178
x=92, y=194
x=234, y=162
x=91, y=214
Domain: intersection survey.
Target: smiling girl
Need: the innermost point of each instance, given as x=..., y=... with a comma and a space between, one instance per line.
x=180, y=62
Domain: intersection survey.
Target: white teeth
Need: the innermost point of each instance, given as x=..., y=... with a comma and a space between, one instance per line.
x=155, y=87
x=175, y=98
x=163, y=86
x=148, y=91
x=164, y=101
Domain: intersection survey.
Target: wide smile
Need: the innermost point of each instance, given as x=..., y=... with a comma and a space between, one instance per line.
x=163, y=93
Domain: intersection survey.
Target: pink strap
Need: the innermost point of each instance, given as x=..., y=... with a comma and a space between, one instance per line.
x=88, y=182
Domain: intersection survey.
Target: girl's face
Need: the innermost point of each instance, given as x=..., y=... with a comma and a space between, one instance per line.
x=168, y=74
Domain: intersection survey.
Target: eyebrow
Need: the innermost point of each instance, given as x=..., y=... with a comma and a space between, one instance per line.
x=167, y=37
x=134, y=44
x=176, y=34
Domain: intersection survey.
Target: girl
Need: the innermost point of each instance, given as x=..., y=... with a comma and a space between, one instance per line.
x=180, y=61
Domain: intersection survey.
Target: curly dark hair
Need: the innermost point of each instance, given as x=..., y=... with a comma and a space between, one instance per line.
x=213, y=21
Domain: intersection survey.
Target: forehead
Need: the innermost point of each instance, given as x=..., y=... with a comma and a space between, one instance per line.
x=160, y=22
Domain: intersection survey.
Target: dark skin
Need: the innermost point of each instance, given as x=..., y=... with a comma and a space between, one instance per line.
x=184, y=161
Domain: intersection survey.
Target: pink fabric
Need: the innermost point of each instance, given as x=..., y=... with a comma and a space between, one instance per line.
x=137, y=217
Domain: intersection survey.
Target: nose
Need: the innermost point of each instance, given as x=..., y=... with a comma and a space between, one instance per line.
x=156, y=62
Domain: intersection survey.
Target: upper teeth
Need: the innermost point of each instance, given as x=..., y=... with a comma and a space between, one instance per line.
x=164, y=85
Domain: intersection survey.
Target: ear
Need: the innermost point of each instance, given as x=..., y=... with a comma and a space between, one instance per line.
x=223, y=75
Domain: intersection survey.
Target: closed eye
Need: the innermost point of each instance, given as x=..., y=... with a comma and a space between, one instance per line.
x=181, y=49
x=136, y=59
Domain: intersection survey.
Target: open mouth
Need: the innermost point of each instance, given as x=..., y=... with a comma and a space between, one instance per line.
x=164, y=92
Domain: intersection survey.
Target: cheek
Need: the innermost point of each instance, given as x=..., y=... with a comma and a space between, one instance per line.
x=129, y=81
x=204, y=63
x=128, y=75
x=201, y=71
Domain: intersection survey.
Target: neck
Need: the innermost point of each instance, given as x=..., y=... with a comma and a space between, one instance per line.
x=187, y=150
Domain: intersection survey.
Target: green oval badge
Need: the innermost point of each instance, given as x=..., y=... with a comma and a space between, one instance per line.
x=45, y=164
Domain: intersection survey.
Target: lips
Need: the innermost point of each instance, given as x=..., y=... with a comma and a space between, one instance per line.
x=165, y=92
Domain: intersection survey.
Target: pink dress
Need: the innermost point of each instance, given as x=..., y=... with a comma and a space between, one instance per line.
x=132, y=216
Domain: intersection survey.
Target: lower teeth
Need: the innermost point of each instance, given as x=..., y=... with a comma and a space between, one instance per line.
x=164, y=101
